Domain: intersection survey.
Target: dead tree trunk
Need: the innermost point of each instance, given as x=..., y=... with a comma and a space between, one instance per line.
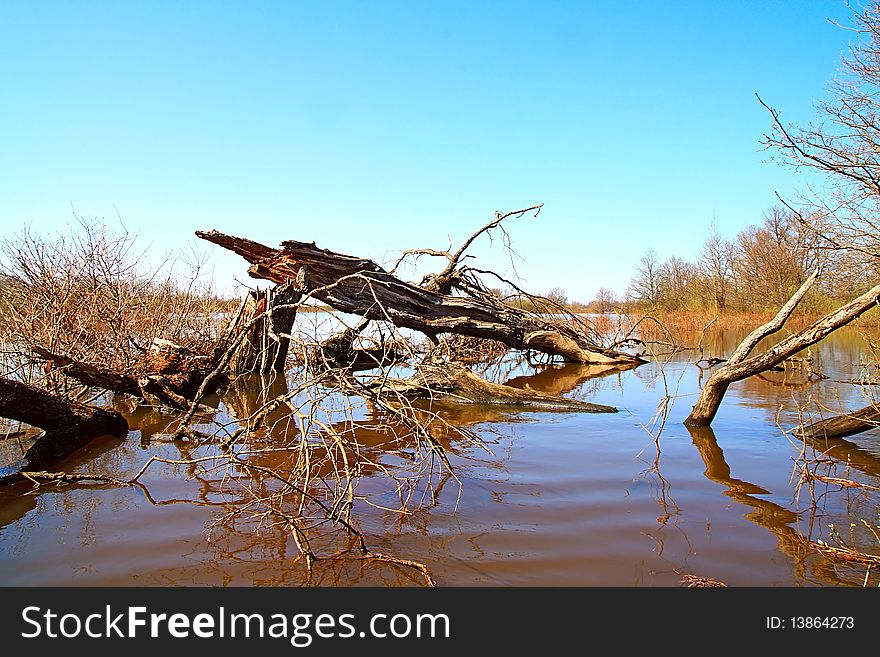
x=360, y=286
x=171, y=378
x=68, y=424
x=739, y=366
x=268, y=318
x=841, y=426
x=89, y=375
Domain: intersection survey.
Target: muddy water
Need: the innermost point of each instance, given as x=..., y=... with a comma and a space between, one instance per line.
x=563, y=498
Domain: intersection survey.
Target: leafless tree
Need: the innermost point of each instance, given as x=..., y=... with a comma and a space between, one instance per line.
x=558, y=296
x=845, y=145
x=646, y=284
x=604, y=301
x=91, y=294
x=716, y=263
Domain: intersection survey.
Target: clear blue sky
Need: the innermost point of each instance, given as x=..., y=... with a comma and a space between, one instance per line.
x=370, y=127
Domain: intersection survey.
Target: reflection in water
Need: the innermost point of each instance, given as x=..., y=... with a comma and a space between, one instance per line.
x=560, y=499
x=560, y=379
x=773, y=517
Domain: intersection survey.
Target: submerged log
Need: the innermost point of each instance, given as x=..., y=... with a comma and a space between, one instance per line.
x=68, y=424
x=360, y=286
x=848, y=424
x=456, y=383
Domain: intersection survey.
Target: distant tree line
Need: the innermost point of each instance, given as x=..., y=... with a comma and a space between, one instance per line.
x=757, y=271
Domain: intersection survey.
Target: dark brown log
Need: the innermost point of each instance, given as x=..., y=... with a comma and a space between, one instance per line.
x=174, y=374
x=268, y=318
x=848, y=424
x=456, y=383
x=360, y=286
x=68, y=424
x=735, y=370
x=338, y=351
x=89, y=375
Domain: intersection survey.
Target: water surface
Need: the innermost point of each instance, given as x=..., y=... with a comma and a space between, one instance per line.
x=563, y=499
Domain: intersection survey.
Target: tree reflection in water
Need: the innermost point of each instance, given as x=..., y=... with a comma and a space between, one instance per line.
x=425, y=513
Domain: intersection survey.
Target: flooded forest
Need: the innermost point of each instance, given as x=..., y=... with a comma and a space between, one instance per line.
x=342, y=422
x=342, y=426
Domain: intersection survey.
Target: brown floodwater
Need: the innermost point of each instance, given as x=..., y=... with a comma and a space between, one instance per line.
x=562, y=498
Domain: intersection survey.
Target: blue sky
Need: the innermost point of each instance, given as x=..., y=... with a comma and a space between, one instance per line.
x=371, y=127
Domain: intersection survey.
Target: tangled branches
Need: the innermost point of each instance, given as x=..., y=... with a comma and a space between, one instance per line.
x=283, y=420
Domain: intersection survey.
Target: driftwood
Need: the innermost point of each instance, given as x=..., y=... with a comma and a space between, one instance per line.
x=68, y=424
x=89, y=375
x=172, y=374
x=740, y=366
x=848, y=424
x=360, y=286
x=456, y=383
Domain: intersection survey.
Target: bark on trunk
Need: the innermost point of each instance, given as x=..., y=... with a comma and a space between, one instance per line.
x=360, y=286
x=841, y=426
x=68, y=424
x=268, y=319
x=89, y=375
x=173, y=377
x=735, y=370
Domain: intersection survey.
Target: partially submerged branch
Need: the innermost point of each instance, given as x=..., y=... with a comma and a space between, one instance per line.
x=173, y=378
x=716, y=386
x=848, y=424
x=456, y=383
x=68, y=424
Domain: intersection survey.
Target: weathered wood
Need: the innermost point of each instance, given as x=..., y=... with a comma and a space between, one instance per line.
x=774, y=325
x=173, y=374
x=68, y=424
x=338, y=351
x=87, y=374
x=360, y=286
x=268, y=318
x=166, y=357
x=456, y=383
x=716, y=386
x=848, y=424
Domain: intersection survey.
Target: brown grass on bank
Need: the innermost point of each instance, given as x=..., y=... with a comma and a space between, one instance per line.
x=682, y=327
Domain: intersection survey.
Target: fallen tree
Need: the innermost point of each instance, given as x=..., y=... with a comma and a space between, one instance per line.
x=456, y=383
x=847, y=424
x=740, y=366
x=68, y=424
x=360, y=286
x=172, y=375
